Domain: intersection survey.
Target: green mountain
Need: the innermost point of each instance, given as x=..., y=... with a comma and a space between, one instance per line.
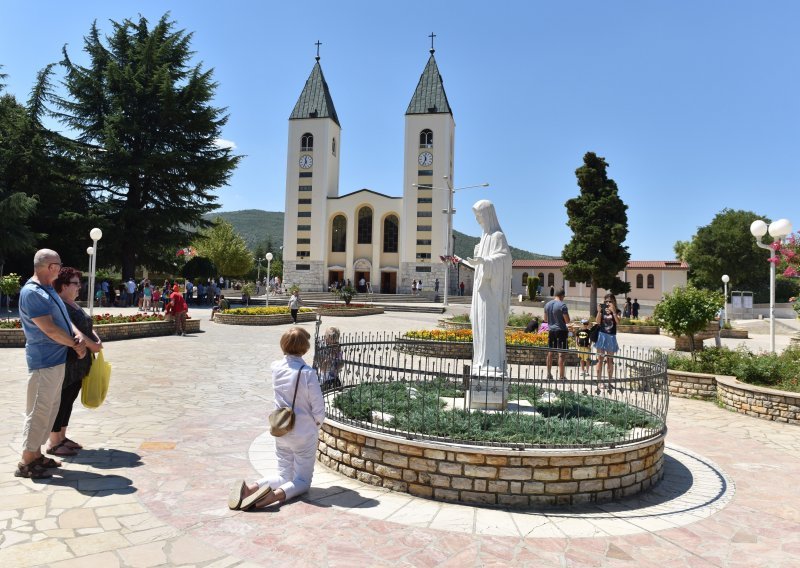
x=259, y=227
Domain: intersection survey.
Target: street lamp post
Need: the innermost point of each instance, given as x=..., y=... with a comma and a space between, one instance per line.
x=269, y=260
x=448, y=241
x=95, y=234
x=725, y=280
x=778, y=230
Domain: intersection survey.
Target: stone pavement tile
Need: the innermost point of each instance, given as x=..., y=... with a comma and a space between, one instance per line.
x=77, y=519
x=151, y=535
x=420, y=514
x=495, y=522
x=102, y=560
x=93, y=543
x=190, y=550
x=456, y=518
x=34, y=553
x=120, y=510
x=144, y=555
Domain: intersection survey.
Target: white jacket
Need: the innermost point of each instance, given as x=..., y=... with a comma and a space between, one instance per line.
x=309, y=406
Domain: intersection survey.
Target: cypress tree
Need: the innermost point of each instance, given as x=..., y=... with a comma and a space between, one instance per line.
x=599, y=222
x=147, y=136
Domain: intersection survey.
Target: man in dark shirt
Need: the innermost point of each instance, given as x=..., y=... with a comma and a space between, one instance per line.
x=557, y=316
x=635, y=308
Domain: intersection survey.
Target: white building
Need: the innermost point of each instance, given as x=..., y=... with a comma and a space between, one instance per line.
x=649, y=279
x=389, y=241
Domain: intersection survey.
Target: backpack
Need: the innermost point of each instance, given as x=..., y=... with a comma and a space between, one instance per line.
x=594, y=333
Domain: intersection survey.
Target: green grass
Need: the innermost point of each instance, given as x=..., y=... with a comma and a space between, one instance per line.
x=573, y=419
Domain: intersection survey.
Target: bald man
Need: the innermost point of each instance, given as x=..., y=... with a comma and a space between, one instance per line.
x=48, y=334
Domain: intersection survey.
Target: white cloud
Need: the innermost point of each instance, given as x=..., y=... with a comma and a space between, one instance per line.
x=222, y=143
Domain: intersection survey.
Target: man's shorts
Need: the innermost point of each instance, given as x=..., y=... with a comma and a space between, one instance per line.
x=557, y=339
x=584, y=353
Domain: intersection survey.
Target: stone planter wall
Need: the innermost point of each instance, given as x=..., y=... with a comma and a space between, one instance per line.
x=276, y=319
x=734, y=333
x=111, y=331
x=453, y=325
x=350, y=312
x=692, y=385
x=516, y=354
x=490, y=476
x=761, y=402
x=641, y=329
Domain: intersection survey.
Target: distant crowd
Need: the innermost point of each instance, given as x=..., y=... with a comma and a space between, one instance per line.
x=149, y=296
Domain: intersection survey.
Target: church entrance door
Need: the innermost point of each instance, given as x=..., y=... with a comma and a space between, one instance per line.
x=359, y=276
x=388, y=282
x=335, y=276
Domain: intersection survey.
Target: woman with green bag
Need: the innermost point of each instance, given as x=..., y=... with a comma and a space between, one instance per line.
x=68, y=286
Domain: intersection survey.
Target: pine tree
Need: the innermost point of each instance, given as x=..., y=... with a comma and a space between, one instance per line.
x=599, y=222
x=148, y=138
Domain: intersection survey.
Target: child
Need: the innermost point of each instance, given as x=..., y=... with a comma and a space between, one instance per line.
x=332, y=363
x=157, y=300
x=584, y=347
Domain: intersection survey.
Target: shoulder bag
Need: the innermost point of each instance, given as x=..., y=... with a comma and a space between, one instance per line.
x=281, y=420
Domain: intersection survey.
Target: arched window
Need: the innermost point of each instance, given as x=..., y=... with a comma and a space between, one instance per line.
x=524, y=278
x=639, y=281
x=307, y=142
x=426, y=139
x=541, y=279
x=651, y=281
x=390, y=233
x=365, y=226
x=333, y=146
x=339, y=234
x=551, y=279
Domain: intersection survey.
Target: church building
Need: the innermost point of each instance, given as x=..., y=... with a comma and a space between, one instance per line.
x=386, y=240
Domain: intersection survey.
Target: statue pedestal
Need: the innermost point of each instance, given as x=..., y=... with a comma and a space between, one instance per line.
x=487, y=393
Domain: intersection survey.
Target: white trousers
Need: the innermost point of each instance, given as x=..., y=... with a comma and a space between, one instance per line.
x=43, y=400
x=296, y=458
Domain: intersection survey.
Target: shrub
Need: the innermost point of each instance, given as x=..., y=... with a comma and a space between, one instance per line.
x=687, y=311
x=519, y=320
x=271, y=311
x=779, y=371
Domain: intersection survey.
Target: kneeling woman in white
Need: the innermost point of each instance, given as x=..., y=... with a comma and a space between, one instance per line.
x=296, y=450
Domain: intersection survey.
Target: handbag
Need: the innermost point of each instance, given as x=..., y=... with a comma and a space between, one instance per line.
x=95, y=385
x=281, y=420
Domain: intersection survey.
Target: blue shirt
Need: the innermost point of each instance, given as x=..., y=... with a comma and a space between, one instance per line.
x=36, y=301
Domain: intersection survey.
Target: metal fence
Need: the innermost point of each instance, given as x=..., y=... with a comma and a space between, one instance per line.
x=420, y=389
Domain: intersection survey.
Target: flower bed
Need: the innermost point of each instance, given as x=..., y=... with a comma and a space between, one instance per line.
x=352, y=310
x=523, y=348
x=263, y=316
x=113, y=328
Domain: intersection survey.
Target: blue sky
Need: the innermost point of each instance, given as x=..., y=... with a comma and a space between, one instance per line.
x=694, y=104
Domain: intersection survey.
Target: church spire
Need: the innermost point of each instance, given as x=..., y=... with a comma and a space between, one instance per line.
x=429, y=96
x=315, y=101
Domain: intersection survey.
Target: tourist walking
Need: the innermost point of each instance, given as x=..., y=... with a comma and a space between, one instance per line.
x=557, y=315
x=68, y=286
x=49, y=334
x=179, y=309
x=627, y=309
x=607, y=346
x=635, y=309
x=461, y=288
x=295, y=386
x=294, y=304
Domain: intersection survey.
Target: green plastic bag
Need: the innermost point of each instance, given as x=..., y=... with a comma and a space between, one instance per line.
x=95, y=384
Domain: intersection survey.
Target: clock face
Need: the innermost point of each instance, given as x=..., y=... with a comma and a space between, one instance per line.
x=425, y=159
x=306, y=162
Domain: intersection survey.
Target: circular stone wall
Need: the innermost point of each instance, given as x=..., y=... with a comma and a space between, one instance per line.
x=276, y=319
x=491, y=476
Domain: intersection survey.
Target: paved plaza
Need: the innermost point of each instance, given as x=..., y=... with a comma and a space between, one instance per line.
x=185, y=417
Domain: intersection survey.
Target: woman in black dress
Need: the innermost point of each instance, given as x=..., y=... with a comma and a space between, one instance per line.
x=68, y=286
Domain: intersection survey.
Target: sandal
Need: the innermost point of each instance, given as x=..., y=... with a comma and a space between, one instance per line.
x=236, y=494
x=251, y=500
x=31, y=471
x=62, y=450
x=47, y=463
x=72, y=444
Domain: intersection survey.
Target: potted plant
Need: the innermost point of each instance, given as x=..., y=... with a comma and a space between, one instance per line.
x=687, y=311
x=346, y=293
x=247, y=292
x=9, y=285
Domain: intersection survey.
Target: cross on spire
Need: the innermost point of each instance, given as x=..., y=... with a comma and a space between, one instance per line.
x=318, y=44
x=433, y=35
